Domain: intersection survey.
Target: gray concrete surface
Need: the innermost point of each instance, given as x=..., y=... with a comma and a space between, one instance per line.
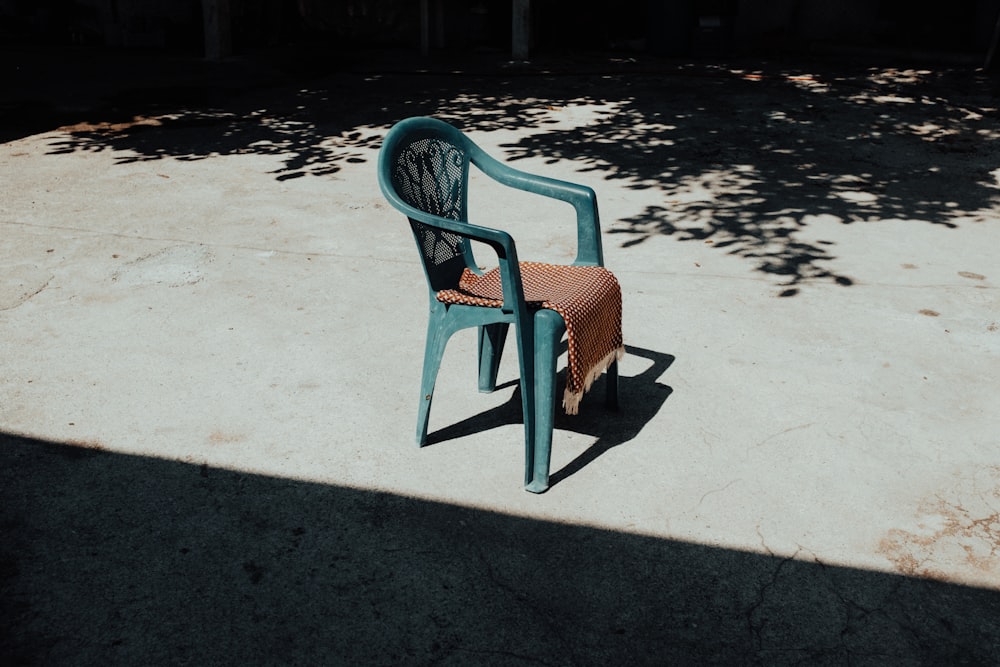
x=210, y=337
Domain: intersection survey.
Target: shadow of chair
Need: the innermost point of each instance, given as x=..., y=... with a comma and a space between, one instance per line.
x=642, y=394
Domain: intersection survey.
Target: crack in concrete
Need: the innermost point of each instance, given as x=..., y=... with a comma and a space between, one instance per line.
x=851, y=619
x=525, y=602
x=780, y=433
x=755, y=629
x=11, y=302
x=711, y=491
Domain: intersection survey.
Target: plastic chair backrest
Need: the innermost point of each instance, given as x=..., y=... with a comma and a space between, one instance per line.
x=428, y=163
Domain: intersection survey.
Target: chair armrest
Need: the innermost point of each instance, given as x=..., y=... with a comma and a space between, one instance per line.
x=500, y=241
x=583, y=199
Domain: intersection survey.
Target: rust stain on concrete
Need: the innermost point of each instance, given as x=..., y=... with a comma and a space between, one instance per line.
x=110, y=128
x=956, y=535
x=223, y=438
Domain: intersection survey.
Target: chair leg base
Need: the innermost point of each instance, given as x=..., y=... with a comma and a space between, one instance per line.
x=537, y=487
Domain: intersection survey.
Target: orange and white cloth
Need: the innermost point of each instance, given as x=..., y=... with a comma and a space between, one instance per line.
x=589, y=299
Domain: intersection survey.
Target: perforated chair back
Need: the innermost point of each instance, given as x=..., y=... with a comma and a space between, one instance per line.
x=430, y=171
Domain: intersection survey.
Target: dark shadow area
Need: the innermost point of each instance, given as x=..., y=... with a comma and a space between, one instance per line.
x=640, y=396
x=116, y=559
x=749, y=158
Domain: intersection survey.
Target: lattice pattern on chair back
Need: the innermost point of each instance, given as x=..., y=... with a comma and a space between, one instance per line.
x=431, y=173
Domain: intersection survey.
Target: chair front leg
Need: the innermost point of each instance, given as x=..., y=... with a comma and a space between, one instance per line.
x=549, y=329
x=438, y=334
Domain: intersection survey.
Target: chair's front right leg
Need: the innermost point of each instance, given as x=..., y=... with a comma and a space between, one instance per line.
x=549, y=329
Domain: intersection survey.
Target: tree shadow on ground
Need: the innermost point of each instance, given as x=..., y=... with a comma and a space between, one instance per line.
x=748, y=161
x=115, y=559
x=757, y=162
x=641, y=397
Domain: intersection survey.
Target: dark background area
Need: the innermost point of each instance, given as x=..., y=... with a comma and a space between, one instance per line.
x=677, y=27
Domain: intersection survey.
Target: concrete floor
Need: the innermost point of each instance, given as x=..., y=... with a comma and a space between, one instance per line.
x=210, y=336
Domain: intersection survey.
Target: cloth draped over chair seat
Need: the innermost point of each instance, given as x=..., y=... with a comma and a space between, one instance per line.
x=589, y=300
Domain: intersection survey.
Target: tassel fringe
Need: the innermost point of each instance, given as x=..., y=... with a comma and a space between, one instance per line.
x=571, y=400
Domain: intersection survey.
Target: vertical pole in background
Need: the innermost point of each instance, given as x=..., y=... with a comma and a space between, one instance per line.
x=439, y=24
x=218, y=35
x=991, y=53
x=425, y=28
x=520, y=29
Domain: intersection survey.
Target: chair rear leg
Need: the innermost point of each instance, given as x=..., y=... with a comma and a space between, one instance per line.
x=491, y=342
x=611, y=397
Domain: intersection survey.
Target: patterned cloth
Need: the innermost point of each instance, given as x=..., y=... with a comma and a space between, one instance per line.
x=589, y=300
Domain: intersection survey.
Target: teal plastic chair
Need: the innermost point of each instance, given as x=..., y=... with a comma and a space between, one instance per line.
x=423, y=172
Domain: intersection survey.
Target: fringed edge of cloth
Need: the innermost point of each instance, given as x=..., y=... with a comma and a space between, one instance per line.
x=571, y=399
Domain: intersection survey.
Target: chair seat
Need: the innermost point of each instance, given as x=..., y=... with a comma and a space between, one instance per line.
x=587, y=297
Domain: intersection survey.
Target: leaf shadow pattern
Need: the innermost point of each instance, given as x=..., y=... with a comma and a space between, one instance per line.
x=749, y=161
x=199, y=135
x=758, y=162
x=641, y=397
x=315, y=130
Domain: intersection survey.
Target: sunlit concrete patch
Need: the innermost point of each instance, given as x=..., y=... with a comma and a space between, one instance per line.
x=857, y=196
x=176, y=266
x=806, y=81
x=572, y=114
x=957, y=526
x=897, y=99
x=544, y=116
x=715, y=186
x=931, y=131
x=782, y=117
x=894, y=77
